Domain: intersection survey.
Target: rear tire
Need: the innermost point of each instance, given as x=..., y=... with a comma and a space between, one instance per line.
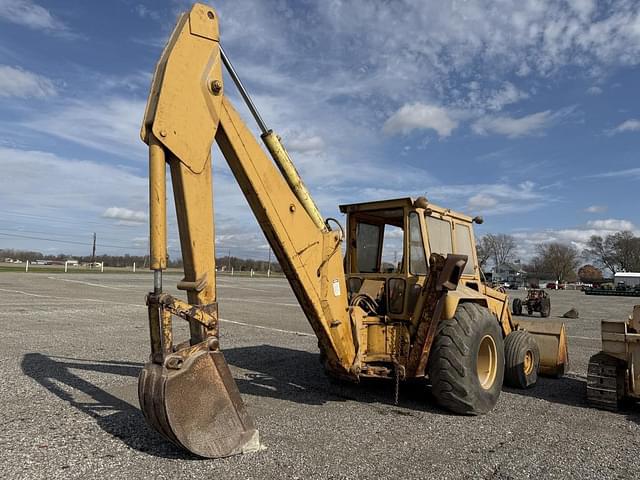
x=517, y=306
x=545, y=307
x=521, y=359
x=466, y=365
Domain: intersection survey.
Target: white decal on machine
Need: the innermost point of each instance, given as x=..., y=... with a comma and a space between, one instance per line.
x=336, y=288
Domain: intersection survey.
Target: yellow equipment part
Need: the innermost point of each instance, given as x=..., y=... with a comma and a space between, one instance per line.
x=186, y=391
x=613, y=374
x=551, y=338
x=550, y=335
x=390, y=323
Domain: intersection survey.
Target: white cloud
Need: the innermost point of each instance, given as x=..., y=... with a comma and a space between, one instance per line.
x=66, y=198
x=631, y=125
x=17, y=82
x=595, y=90
x=44, y=179
x=126, y=214
x=611, y=224
x=625, y=173
x=418, y=116
x=492, y=198
x=305, y=144
x=584, y=8
x=145, y=12
x=109, y=124
x=596, y=209
x=30, y=14
x=578, y=236
x=513, y=127
x=482, y=201
x=507, y=95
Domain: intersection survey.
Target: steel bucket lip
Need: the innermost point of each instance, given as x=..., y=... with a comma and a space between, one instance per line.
x=198, y=407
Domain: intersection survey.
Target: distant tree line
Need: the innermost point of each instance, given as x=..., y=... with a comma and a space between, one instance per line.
x=616, y=252
x=246, y=264
x=110, y=260
x=141, y=261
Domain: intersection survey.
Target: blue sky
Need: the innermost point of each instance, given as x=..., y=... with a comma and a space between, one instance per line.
x=525, y=112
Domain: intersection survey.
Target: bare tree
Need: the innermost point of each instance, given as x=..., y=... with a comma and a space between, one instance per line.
x=500, y=246
x=616, y=252
x=601, y=250
x=558, y=259
x=626, y=248
x=483, y=252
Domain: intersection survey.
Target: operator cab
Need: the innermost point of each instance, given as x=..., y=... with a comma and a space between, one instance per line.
x=388, y=247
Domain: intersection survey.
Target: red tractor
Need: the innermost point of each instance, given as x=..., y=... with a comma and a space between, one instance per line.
x=537, y=301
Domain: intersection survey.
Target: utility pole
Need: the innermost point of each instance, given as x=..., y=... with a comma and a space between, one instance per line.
x=93, y=253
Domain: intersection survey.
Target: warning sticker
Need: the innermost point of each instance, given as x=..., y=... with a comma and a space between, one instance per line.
x=336, y=288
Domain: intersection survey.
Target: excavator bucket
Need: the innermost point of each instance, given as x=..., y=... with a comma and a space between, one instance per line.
x=552, y=342
x=197, y=406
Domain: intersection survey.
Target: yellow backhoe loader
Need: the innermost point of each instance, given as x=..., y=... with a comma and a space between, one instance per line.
x=427, y=315
x=613, y=374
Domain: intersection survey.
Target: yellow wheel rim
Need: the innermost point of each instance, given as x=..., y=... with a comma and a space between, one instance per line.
x=528, y=362
x=487, y=362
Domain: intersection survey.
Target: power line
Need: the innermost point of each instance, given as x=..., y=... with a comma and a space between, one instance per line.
x=70, y=242
x=63, y=238
x=61, y=235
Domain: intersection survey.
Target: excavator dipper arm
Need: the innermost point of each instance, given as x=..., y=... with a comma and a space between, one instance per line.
x=186, y=391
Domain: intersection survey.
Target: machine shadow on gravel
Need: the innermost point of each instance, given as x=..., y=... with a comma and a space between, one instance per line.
x=565, y=391
x=274, y=372
x=570, y=391
x=296, y=375
x=113, y=415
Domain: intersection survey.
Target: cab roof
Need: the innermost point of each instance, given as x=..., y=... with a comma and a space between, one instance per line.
x=401, y=203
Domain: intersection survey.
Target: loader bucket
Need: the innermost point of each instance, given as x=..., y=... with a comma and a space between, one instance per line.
x=552, y=342
x=197, y=406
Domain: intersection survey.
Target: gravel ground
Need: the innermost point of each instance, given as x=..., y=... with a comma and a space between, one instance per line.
x=73, y=347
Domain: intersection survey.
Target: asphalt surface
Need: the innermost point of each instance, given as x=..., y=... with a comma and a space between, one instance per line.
x=73, y=346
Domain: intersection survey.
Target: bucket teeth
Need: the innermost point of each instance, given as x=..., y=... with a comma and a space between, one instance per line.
x=198, y=406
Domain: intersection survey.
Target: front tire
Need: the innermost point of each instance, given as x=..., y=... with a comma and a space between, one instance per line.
x=517, y=306
x=521, y=359
x=466, y=365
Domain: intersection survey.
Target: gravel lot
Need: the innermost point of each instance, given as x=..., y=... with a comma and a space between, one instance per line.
x=73, y=346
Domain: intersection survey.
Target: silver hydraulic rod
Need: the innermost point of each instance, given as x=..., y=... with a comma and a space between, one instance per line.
x=245, y=95
x=278, y=152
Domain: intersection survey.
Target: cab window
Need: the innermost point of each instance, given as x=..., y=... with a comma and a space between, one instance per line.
x=439, y=233
x=417, y=259
x=392, y=249
x=368, y=241
x=464, y=246
x=379, y=237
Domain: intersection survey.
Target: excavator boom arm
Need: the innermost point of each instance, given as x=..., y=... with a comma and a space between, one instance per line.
x=186, y=111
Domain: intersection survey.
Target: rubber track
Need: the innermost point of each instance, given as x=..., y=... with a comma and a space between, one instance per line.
x=602, y=382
